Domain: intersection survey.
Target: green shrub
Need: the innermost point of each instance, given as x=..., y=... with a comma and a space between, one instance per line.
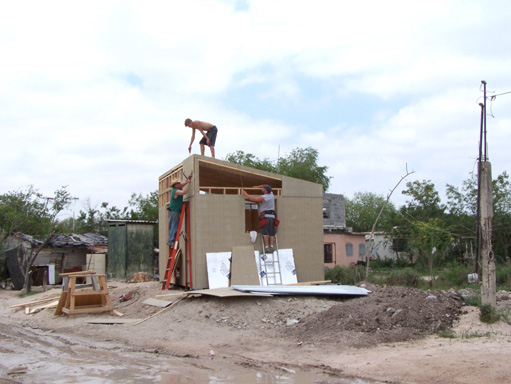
x=407, y=277
x=472, y=335
x=447, y=334
x=346, y=276
x=379, y=263
x=489, y=314
x=474, y=300
x=504, y=276
x=456, y=275
x=402, y=262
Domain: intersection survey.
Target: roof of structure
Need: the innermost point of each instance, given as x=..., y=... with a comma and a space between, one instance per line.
x=74, y=240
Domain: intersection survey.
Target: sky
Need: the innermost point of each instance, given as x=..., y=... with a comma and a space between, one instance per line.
x=93, y=95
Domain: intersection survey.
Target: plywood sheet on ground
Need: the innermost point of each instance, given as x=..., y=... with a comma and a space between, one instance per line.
x=227, y=292
x=243, y=268
x=219, y=269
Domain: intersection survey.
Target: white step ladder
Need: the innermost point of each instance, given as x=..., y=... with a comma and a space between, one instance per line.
x=269, y=267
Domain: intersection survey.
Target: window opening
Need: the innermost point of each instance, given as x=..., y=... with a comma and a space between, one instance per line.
x=251, y=217
x=328, y=253
x=361, y=250
x=349, y=249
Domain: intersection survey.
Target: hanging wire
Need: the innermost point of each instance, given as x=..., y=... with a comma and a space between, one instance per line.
x=491, y=99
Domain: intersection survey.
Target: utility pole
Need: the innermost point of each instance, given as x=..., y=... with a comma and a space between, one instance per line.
x=478, y=208
x=485, y=217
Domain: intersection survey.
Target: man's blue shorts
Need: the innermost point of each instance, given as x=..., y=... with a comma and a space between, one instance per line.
x=211, y=134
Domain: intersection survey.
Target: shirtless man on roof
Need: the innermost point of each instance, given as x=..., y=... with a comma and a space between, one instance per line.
x=207, y=130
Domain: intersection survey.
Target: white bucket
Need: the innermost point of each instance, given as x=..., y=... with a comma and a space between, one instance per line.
x=473, y=278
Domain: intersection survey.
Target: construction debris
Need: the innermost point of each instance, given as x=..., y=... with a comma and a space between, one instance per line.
x=139, y=277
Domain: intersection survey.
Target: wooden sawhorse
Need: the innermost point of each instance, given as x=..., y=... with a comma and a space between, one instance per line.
x=72, y=301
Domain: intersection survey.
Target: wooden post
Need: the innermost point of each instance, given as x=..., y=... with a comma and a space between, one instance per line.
x=489, y=275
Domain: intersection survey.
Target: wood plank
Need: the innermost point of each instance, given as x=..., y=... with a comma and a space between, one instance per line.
x=164, y=309
x=113, y=320
x=53, y=304
x=157, y=303
x=78, y=273
x=87, y=309
x=170, y=295
x=60, y=305
x=35, y=302
x=89, y=293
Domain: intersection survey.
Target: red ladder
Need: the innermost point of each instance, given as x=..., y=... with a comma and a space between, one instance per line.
x=174, y=252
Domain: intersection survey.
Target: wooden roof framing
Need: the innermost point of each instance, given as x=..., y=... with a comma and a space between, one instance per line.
x=225, y=179
x=220, y=177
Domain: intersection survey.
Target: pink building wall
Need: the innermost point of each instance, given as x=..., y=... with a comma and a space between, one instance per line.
x=337, y=243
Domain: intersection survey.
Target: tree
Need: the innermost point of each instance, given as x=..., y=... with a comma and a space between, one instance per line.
x=145, y=208
x=425, y=199
x=28, y=211
x=94, y=219
x=371, y=236
x=502, y=216
x=362, y=210
x=420, y=213
x=32, y=213
x=24, y=211
x=249, y=160
x=301, y=163
x=462, y=206
x=432, y=241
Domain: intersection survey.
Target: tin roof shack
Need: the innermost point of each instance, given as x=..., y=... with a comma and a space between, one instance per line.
x=64, y=253
x=221, y=218
x=130, y=248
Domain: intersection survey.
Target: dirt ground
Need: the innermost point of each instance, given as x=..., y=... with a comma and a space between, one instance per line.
x=392, y=335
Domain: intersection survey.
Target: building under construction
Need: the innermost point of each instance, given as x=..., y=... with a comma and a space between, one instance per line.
x=220, y=218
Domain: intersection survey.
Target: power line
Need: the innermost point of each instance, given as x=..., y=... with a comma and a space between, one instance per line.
x=500, y=94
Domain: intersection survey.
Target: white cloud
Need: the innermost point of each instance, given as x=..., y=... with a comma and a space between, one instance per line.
x=94, y=95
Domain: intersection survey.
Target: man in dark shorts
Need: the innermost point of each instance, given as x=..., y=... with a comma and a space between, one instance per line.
x=207, y=130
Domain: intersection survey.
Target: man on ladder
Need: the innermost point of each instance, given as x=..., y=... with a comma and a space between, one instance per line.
x=266, y=215
x=175, y=205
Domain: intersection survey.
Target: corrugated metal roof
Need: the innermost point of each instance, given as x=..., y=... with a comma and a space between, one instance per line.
x=74, y=240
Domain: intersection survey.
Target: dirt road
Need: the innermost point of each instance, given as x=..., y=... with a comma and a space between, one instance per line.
x=391, y=335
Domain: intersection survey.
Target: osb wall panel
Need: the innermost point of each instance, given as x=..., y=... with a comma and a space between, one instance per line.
x=301, y=228
x=219, y=226
x=300, y=188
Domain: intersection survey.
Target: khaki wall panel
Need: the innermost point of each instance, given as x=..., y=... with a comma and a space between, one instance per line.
x=218, y=220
